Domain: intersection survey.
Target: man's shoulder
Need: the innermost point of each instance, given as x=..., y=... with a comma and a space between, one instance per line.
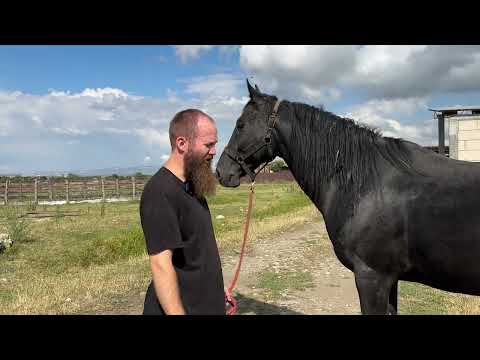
x=159, y=179
x=160, y=184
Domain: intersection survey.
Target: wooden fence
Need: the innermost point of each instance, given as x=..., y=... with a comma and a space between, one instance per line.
x=21, y=190
x=36, y=190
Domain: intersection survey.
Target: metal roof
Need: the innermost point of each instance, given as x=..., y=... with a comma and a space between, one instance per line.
x=457, y=108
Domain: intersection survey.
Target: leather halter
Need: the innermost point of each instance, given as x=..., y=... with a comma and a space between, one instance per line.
x=267, y=142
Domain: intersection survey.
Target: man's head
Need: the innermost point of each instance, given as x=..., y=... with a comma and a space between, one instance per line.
x=193, y=137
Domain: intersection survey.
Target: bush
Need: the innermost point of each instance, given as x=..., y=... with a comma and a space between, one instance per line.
x=278, y=165
x=5, y=242
x=18, y=227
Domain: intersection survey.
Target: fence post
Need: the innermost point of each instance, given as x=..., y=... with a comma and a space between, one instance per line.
x=6, y=192
x=35, y=196
x=117, y=188
x=103, y=188
x=49, y=189
x=67, y=190
x=133, y=187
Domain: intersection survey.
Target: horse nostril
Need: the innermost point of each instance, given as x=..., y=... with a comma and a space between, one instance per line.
x=217, y=173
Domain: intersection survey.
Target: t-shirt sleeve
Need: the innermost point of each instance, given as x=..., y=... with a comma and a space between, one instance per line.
x=160, y=223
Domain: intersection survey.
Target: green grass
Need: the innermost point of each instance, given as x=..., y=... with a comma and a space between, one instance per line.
x=92, y=259
x=99, y=252
x=277, y=283
x=418, y=299
x=269, y=201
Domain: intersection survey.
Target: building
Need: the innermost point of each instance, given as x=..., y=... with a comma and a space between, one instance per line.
x=463, y=132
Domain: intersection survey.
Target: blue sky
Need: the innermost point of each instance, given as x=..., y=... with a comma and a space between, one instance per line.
x=66, y=108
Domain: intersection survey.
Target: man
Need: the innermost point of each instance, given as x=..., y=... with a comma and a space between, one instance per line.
x=186, y=270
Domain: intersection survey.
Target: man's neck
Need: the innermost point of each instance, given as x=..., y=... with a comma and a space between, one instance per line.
x=175, y=165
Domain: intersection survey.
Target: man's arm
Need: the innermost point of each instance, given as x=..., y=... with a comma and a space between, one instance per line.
x=165, y=283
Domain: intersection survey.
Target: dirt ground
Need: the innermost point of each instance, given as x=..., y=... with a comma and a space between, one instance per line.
x=305, y=250
x=302, y=249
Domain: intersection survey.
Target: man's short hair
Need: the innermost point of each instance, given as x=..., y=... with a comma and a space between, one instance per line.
x=184, y=123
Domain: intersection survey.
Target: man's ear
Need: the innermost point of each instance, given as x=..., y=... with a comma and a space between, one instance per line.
x=182, y=144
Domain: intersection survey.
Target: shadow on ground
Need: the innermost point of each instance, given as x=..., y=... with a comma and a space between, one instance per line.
x=249, y=306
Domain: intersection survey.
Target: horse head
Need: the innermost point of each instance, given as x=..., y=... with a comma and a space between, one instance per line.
x=252, y=142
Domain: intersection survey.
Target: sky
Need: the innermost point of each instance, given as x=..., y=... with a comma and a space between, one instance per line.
x=67, y=108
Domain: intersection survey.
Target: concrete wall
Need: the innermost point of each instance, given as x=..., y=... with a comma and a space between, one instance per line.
x=464, y=138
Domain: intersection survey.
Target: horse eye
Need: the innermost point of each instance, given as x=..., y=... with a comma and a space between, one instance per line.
x=240, y=126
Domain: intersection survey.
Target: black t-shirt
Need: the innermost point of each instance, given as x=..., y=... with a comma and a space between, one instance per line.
x=172, y=218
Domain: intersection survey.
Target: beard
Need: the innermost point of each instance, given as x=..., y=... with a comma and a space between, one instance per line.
x=200, y=173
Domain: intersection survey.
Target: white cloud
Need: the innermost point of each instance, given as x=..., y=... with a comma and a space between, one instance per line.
x=147, y=159
x=68, y=131
x=386, y=115
x=114, y=111
x=377, y=71
x=105, y=93
x=216, y=85
x=222, y=96
x=38, y=131
x=306, y=72
x=108, y=110
x=172, y=96
x=153, y=136
x=164, y=157
x=378, y=59
x=190, y=52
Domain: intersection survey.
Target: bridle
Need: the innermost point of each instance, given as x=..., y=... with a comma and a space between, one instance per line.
x=254, y=148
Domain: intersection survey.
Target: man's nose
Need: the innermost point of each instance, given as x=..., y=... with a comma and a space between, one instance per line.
x=213, y=151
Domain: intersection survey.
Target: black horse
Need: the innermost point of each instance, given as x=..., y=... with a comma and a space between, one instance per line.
x=393, y=209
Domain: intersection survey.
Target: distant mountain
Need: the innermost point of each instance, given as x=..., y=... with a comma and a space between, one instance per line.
x=123, y=171
x=132, y=170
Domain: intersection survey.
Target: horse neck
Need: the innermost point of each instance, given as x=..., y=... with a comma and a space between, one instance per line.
x=320, y=192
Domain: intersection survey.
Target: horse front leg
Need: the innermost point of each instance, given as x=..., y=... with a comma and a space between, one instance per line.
x=393, y=299
x=374, y=292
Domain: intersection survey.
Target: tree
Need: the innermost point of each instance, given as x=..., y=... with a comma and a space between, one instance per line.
x=278, y=165
x=71, y=176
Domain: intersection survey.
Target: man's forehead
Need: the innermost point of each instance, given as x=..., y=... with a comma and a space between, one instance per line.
x=206, y=128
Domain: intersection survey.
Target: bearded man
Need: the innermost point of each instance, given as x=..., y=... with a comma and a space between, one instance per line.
x=185, y=264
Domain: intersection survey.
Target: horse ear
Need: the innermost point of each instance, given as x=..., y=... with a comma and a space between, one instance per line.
x=253, y=92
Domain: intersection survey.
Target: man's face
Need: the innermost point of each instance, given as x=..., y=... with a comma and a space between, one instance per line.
x=205, y=140
x=198, y=159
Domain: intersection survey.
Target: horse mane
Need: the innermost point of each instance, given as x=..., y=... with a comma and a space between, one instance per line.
x=329, y=146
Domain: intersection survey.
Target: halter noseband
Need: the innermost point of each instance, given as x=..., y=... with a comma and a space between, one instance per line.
x=267, y=141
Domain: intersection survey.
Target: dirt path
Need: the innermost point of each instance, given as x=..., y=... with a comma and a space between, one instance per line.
x=292, y=273
x=271, y=270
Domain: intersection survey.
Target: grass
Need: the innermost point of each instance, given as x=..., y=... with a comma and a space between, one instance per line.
x=74, y=264
x=16, y=225
x=85, y=257
x=275, y=207
x=418, y=299
x=276, y=284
